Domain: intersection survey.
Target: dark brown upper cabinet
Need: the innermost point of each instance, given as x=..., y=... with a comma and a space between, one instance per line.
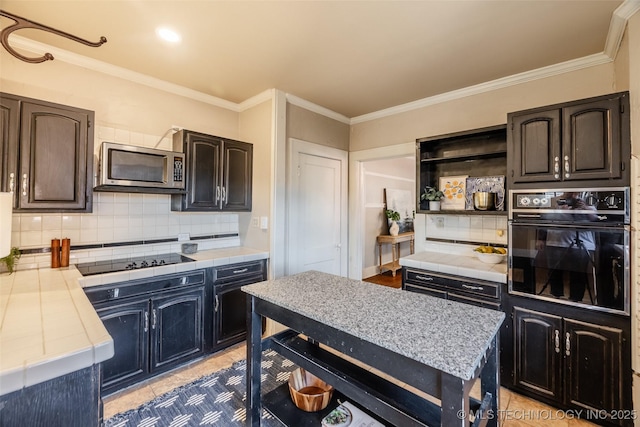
x=47, y=155
x=218, y=173
x=575, y=141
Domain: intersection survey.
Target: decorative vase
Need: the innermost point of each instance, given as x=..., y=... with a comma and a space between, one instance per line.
x=434, y=205
x=394, y=228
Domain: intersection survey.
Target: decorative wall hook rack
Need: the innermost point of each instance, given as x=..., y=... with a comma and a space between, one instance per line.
x=21, y=23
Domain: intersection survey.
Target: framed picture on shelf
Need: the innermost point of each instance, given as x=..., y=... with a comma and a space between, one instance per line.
x=454, y=190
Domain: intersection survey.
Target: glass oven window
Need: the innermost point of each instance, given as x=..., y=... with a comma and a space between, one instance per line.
x=569, y=264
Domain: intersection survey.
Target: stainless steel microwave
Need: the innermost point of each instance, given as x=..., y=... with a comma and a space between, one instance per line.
x=128, y=168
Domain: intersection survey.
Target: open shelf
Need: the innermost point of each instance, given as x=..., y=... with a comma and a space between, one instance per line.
x=473, y=153
x=382, y=399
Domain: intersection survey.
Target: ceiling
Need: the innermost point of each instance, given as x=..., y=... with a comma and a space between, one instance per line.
x=351, y=57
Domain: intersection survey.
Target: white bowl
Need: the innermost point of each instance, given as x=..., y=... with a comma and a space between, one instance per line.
x=492, y=258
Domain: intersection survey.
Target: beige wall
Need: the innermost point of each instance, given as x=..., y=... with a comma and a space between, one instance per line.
x=117, y=103
x=313, y=127
x=132, y=113
x=255, y=127
x=485, y=109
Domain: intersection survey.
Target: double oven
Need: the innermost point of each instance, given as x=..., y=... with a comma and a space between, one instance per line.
x=571, y=246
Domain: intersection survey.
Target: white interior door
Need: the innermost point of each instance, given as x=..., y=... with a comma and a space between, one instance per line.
x=317, y=209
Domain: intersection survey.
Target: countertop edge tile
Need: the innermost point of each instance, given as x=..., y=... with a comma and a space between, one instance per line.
x=96, y=345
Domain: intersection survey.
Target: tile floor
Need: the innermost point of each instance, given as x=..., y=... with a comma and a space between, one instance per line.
x=516, y=410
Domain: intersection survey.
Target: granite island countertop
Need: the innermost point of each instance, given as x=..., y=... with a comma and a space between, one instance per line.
x=465, y=265
x=445, y=335
x=48, y=327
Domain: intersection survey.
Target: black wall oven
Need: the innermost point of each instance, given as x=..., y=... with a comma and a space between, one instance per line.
x=571, y=246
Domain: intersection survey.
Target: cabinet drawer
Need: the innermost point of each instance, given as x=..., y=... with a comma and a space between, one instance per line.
x=138, y=287
x=426, y=291
x=474, y=301
x=476, y=287
x=242, y=270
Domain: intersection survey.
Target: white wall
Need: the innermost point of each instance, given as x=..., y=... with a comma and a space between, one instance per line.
x=394, y=173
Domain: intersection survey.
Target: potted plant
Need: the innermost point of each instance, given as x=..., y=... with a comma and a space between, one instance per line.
x=10, y=260
x=393, y=216
x=433, y=196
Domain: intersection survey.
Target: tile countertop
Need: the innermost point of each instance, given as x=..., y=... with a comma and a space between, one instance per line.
x=443, y=334
x=466, y=265
x=48, y=327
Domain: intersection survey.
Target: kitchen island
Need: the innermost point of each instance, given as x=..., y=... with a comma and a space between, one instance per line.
x=436, y=346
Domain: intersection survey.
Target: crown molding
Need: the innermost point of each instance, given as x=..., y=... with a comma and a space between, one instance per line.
x=292, y=99
x=123, y=73
x=258, y=99
x=617, y=26
x=614, y=37
x=527, y=76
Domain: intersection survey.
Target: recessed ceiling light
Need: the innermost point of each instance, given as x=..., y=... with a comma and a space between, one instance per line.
x=168, y=34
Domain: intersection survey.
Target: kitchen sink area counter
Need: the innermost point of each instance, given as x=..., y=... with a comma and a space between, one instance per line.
x=461, y=264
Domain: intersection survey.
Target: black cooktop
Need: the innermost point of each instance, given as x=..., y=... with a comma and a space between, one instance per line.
x=131, y=263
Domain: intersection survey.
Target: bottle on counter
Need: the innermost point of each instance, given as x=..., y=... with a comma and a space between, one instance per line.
x=65, y=252
x=55, y=253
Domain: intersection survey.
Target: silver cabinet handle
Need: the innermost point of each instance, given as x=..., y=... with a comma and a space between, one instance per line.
x=244, y=270
x=217, y=193
x=215, y=308
x=567, y=344
x=556, y=167
x=475, y=288
x=424, y=278
x=566, y=167
x=146, y=321
x=557, y=341
x=12, y=182
x=24, y=184
x=224, y=194
x=153, y=325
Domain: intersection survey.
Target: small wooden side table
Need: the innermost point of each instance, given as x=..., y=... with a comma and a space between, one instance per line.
x=394, y=265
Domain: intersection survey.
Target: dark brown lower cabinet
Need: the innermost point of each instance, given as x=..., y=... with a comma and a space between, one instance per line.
x=572, y=363
x=152, y=335
x=230, y=302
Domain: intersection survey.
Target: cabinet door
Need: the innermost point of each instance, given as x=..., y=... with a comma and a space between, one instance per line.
x=237, y=176
x=535, y=146
x=592, y=140
x=204, y=189
x=9, y=131
x=594, y=365
x=538, y=352
x=177, y=321
x=56, y=158
x=230, y=308
x=128, y=325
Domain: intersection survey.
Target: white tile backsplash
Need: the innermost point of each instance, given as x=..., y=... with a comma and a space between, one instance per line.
x=119, y=217
x=480, y=229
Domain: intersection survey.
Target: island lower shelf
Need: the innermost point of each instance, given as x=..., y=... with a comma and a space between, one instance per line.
x=380, y=398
